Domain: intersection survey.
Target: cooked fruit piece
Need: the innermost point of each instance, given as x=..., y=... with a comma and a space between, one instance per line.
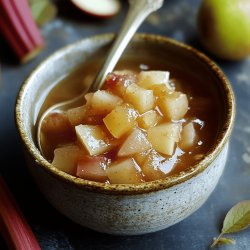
x=120, y=120
x=151, y=166
x=147, y=79
x=140, y=157
x=65, y=158
x=124, y=172
x=103, y=102
x=88, y=98
x=163, y=137
x=93, y=138
x=157, y=167
x=124, y=72
x=174, y=106
x=188, y=136
x=118, y=84
x=92, y=168
x=77, y=115
x=161, y=89
x=56, y=130
x=136, y=142
x=142, y=99
x=149, y=119
x=56, y=123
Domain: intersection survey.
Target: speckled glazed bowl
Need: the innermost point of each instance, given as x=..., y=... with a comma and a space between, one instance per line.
x=115, y=208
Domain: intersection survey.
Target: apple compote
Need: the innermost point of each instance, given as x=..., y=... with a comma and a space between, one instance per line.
x=139, y=127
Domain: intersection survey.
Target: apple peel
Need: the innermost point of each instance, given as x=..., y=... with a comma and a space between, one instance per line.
x=97, y=8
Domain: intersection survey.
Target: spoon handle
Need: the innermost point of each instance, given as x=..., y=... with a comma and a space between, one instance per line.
x=138, y=11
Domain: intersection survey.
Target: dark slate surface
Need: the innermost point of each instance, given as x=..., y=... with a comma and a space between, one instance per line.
x=177, y=20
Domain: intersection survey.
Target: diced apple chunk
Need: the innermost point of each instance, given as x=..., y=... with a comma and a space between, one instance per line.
x=143, y=100
x=161, y=89
x=118, y=84
x=92, y=168
x=136, y=142
x=149, y=119
x=124, y=72
x=163, y=137
x=174, y=106
x=56, y=123
x=65, y=158
x=77, y=115
x=188, y=136
x=124, y=172
x=120, y=120
x=151, y=166
x=93, y=138
x=157, y=167
x=147, y=79
x=88, y=98
x=141, y=157
x=103, y=102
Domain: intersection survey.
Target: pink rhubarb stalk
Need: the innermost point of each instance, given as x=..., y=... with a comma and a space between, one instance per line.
x=18, y=27
x=13, y=226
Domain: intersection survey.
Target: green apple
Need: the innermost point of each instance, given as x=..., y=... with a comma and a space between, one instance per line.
x=224, y=28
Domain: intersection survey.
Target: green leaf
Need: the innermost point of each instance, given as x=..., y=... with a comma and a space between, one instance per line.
x=43, y=11
x=238, y=218
x=222, y=241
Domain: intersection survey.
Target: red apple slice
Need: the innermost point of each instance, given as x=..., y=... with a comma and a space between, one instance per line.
x=92, y=168
x=103, y=8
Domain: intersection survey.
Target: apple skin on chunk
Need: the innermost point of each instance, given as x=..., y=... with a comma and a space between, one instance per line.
x=163, y=137
x=65, y=158
x=136, y=142
x=92, y=168
x=93, y=138
x=120, y=120
x=174, y=106
x=118, y=82
x=124, y=172
x=147, y=79
x=142, y=99
x=188, y=136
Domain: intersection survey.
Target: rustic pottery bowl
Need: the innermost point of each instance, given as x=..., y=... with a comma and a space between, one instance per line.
x=126, y=209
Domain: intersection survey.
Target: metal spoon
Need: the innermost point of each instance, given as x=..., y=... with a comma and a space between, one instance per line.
x=138, y=11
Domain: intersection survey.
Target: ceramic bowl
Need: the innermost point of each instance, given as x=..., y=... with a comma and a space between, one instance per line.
x=125, y=209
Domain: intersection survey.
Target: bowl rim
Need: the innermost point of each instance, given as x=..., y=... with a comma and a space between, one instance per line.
x=145, y=187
